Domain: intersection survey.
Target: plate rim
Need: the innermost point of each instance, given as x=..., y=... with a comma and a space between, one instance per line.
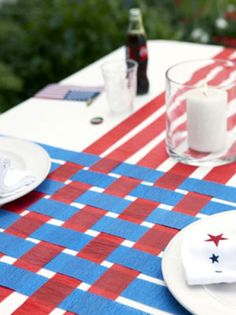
x=176, y=240
x=40, y=179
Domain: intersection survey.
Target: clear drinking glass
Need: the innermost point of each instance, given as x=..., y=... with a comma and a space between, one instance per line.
x=120, y=78
x=201, y=112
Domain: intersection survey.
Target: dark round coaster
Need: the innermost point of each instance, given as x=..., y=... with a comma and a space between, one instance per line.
x=96, y=120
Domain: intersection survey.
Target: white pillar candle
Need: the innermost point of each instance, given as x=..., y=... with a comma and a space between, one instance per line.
x=206, y=119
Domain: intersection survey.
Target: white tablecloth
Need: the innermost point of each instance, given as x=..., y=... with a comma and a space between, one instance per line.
x=66, y=124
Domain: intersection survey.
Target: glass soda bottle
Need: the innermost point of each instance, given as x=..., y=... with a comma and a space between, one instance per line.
x=136, y=48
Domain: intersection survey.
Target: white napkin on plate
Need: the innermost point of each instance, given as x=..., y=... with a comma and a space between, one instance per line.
x=12, y=180
x=209, y=258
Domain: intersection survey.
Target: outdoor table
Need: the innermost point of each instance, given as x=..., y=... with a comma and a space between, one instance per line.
x=90, y=238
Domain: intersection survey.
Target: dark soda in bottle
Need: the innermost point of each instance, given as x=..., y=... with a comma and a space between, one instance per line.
x=136, y=48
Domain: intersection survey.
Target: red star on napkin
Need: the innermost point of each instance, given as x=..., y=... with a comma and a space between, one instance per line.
x=216, y=238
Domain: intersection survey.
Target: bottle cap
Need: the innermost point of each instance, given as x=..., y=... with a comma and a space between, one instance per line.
x=135, y=12
x=96, y=120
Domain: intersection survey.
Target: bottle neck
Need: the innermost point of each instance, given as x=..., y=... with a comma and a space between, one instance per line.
x=136, y=25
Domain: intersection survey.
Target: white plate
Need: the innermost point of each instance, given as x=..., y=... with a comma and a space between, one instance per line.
x=26, y=156
x=217, y=299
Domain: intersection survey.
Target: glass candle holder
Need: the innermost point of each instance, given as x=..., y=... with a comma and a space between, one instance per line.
x=201, y=112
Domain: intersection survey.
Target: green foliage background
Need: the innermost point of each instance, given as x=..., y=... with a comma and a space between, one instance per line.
x=43, y=41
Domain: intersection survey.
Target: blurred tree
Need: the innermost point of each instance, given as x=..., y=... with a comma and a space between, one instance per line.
x=9, y=84
x=44, y=41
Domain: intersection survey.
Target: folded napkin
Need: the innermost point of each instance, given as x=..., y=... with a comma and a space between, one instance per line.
x=209, y=258
x=12, y=180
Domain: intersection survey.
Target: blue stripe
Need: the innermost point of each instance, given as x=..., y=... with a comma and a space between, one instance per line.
x=172, y=219
x=157, y=194
x=76, y=267
x=54, y=209
x=49, y=186
x=20, y=280
x=93, y=178
x=153, y=295
x=61, y=236
x=14, y=246
x=7, y=218
x=84, y=159
x=103, y=201
x=138, y=260
x=86, y=303
x=54, y=166
x=213, y=189
x=121, y=228
x=138, y=172
x=213, y=207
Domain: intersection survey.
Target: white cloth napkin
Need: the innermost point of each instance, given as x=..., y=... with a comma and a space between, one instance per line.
x=209, y=258
x=12, y=180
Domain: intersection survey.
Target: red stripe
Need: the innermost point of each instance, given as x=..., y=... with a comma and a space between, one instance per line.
x=23, y=203
x=114, y=281
x=156, y=239
x=27, y=224
x=122, y=186
x=84, y=219
x=155, y=157
x=48, y=296
x=139, y=140
x=70, y=192
x=224, y=54
x=223, y=75
x=104, y=165
x=100, y=247
x=201, y=73
x=125, y=126
x=192, y=203
x=4, y=292
x=65, y=171
x=37, y=257
x=221, y=174
x=175, y=176
x=32, y=307
x=138, y=210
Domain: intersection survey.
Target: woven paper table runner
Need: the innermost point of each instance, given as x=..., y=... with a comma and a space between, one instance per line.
x=90, y=238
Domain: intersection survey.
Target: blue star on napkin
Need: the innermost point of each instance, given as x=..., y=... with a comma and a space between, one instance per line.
x=214, y=258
